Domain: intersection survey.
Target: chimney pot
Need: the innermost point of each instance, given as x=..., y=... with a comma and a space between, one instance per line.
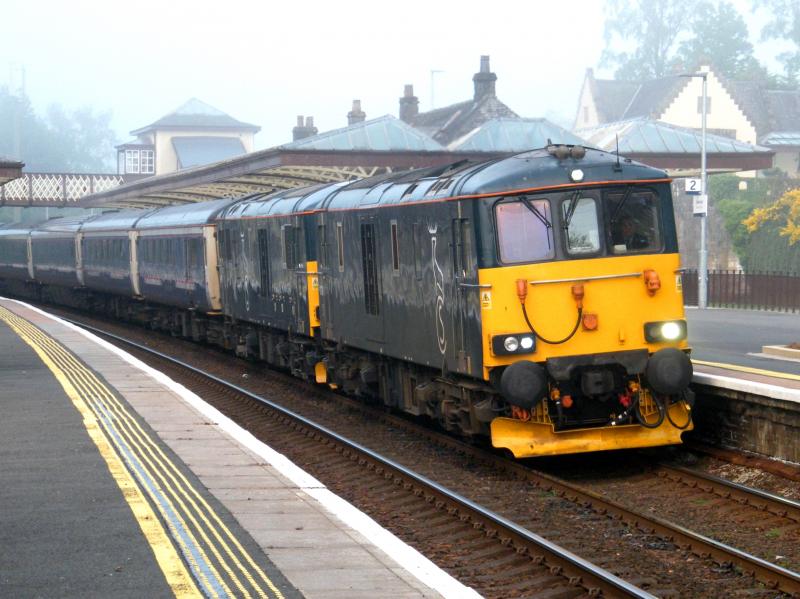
x=409, y=104
x=356, y=115
x=304, y=130
x=484, y=81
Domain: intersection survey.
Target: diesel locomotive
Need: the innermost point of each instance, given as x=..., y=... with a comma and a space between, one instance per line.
x=535, y=299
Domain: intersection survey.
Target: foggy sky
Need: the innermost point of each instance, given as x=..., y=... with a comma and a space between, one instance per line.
x=267, y=62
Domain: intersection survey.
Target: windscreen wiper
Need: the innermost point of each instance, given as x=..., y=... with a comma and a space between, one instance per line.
x=527, y=203
x=624, y=199
x=573, y=203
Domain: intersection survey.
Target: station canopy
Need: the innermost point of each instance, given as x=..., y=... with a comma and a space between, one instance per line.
x=373, y=147
x=676, y=149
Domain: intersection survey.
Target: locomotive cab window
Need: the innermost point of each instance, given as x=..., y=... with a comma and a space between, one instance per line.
x=632, y=221
x=524, y=230
x=581, y=228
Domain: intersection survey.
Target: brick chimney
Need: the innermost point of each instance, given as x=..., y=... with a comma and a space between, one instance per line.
x=302, y=131
x=409, y=104
x=484, y=80
x=356, y=115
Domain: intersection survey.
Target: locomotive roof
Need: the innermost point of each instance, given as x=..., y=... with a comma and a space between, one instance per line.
x=201, y=213
x=289, y=201
x=526, y=172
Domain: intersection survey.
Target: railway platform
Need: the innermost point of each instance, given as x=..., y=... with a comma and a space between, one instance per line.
x=118, y=482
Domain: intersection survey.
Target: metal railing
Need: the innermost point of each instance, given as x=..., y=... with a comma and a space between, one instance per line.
x=751, y=290
x=56, y=189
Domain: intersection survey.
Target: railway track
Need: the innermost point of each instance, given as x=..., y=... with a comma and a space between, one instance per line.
x=483, y=549
x=747, y=573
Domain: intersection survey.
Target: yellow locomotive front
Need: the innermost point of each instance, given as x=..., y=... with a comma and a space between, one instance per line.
x=582, y=319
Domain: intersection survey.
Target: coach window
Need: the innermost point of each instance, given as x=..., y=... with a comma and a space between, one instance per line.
x=524, y=230
x=579, y=219
x=340, y=245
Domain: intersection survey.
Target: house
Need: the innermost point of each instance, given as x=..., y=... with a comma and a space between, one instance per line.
x=742, y=110
x=450, y=123
x=192, y=135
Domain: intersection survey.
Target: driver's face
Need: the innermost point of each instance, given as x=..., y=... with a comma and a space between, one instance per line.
x=627, y=228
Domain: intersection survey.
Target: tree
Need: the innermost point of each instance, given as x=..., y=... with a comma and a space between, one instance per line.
x=78, y=141
x=785, y=211
x=719, y=37
x=785, y=25
x=654, y=26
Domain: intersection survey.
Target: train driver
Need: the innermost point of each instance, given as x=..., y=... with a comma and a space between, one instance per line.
x=629, y=236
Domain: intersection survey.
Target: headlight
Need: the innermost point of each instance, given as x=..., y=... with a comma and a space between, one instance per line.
x=520, y=343
x=669, y=330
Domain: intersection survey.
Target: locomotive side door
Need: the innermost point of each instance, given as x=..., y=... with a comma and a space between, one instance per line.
x=294, y=260
x=466, y=292
x=371, y=264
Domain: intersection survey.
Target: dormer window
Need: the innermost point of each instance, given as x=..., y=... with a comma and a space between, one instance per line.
x=135, y=159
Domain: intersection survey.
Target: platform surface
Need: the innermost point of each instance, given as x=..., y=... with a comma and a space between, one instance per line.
x=118, y=482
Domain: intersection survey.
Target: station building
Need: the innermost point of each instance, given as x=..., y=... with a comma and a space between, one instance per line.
x=194, y=134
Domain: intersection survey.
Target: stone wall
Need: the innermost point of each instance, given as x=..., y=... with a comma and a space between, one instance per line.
x=738, y=420
x=720, y=249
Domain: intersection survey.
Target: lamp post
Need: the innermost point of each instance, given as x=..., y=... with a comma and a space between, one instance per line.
x=702, y=269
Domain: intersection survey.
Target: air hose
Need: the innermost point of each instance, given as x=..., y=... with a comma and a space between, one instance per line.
x=565, y=339
x=688, y=417
x=577, y=294
x=634, y=409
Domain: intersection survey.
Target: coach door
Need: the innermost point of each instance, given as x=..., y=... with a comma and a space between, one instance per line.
x=467, y=292
x=371, y=275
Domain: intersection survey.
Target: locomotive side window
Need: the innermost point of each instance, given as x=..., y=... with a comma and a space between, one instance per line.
x=524, y=231
x=340, y=245
x=632, y=221
x=370, y=268
x=291, y=254
x=395, y=249
x=263, y=254
x=579, y=218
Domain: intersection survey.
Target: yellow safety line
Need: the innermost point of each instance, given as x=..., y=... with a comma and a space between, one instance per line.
x=178, y=578
x=143, y=436
x=84, y=378
x=772, y=373
x=137, y=438
x=141, y=441
x=153, y=473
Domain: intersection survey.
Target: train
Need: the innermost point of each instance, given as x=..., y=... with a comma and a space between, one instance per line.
x=533, y=299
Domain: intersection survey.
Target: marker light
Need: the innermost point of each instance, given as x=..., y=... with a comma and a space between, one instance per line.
x=518, y=343
x=576, y=175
